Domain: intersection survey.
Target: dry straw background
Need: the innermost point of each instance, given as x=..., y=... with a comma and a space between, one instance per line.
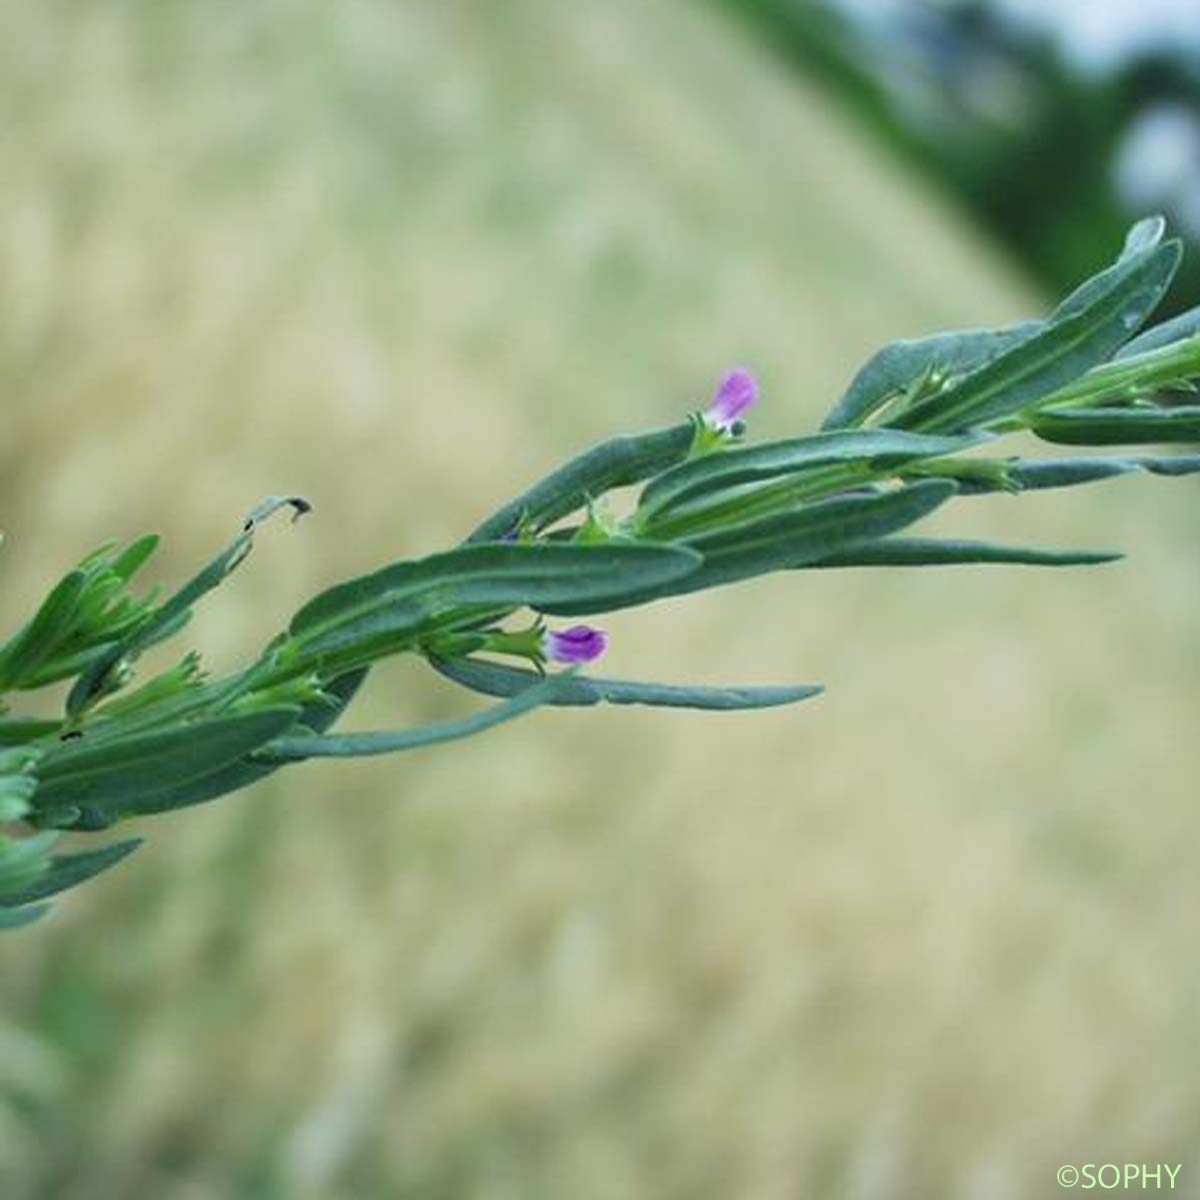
x=931, y=935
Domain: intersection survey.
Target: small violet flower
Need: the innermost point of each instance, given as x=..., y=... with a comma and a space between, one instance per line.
x=734, y=395
x=578, y=644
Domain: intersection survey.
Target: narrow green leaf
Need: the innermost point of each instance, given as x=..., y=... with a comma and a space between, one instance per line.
x=816, y=531
x=901, y=363
x=1169, y=464
x=97, y=557
x=174, y=611
x=1177, y=329
x=406, y=598
x=97, y=616
x=53, y=622
x=1063, y=472
x=494, y=679
x=67, y=870
x=790, y=539
x=1144, y=235
x=17, y=853
x=18, y=730
x=356, y=745
x=65, y=666
x=109, y=777
x=24, y=860
x=1118, y=426
x=1085, y=330
x=875, y=448
x=15, y=918
x=615, y=463
x=133, y=557
x=238, y=775
x=934, y=552
x=206, y=699
x=495, y=574
x=1038, y=474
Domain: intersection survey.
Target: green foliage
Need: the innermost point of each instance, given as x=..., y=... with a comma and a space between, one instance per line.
x=902, y=442
x=495, y=679
x=694, y=491
x=1086, y=329
x=1118, y=427
x=615, y=463
x=394, y=608
x=907, y=368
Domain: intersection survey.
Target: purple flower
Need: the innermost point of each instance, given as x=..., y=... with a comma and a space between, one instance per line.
x=734, y=395
x=578, y=644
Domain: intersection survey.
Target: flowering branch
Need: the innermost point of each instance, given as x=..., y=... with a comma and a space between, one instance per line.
x=914, y=429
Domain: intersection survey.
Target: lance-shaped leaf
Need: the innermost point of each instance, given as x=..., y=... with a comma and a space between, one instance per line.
x=1170, y=465
x=937, y=552
x=1118, y=426
x=15, y=918
x=126, y=564
x=174, y=612
x=201, y=700
x=495, y=679
x=247, y=770
x=407, y=598
x=792, y=538
x=1144, y=235
x=875, y=448
x=85, y=610
x=67, y=870
x=108, y=778
x=1177, y=329
x=65, y=666
x=41, y=637
x=614, y=463
x=294, y=747
x=24, y=860
x=16, y=731
x=1038, y=474
x=1085, y=330
x=903, y=363
x=1143, y=242
x=814, y=532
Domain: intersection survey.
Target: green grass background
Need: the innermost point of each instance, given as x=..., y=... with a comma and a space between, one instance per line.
x=931, y=935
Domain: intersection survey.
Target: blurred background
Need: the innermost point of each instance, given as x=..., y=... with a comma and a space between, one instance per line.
x=1051, y=123
x=931, y=935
